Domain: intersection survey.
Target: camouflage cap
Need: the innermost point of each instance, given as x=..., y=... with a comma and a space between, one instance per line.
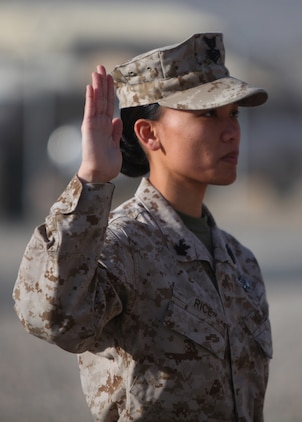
x=190, y=75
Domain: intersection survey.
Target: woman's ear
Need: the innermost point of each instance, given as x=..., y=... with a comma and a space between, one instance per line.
x=146, y=133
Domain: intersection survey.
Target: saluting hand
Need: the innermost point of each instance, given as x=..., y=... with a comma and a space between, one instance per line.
x=101, y=134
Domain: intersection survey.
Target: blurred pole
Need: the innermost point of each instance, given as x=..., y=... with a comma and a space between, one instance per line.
x=38, y=121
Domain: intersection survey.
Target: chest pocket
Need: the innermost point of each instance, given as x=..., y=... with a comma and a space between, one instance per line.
x=199, y=322
x=259, y=326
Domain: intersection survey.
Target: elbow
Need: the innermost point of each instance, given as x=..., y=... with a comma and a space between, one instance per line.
x=68, y=334
x=55, y=328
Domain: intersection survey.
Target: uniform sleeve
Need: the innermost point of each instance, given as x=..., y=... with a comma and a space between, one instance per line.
x=62, y=294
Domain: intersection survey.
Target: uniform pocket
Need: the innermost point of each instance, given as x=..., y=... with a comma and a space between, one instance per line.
x=211, y=336
x=259, y=326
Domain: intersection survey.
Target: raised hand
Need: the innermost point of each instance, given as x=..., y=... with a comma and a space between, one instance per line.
x=101, y=155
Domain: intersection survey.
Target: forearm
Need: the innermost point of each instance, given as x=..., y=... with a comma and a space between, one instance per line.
x=56, y=286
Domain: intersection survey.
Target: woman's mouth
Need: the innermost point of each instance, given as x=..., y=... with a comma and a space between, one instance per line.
x=231, y=158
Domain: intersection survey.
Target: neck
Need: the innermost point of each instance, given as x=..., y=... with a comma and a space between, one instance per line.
x=186, y=198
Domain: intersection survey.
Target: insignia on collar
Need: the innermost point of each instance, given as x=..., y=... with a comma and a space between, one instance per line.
x=244, y=283
x=181, y=248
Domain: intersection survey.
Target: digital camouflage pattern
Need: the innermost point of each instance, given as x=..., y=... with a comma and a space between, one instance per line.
x=190, y=75
x=163, y=331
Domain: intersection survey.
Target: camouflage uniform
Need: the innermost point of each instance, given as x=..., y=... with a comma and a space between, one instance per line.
x=163, y=330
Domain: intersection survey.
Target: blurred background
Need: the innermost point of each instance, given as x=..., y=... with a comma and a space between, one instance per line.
x=48, y=50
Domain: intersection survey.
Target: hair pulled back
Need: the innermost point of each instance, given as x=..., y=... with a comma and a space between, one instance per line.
x=135, y=162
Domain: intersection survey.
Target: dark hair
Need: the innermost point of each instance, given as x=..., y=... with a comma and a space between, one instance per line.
x=135, y=163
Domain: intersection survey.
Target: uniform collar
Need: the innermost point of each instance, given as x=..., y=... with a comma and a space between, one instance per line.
x=181, y=240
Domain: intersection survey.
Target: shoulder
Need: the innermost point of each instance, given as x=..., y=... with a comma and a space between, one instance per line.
x=131, y=221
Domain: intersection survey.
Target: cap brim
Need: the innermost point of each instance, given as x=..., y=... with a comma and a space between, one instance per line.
x=216, y=94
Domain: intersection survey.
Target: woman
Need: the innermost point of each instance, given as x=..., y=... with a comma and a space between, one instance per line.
x=167, y=313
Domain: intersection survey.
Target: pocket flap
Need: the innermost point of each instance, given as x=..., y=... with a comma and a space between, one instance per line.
x=198, y=330
x=259, y=326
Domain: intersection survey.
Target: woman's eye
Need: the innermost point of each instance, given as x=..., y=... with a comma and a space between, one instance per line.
x=213, y=113
x=209, y=113
x=235, y=114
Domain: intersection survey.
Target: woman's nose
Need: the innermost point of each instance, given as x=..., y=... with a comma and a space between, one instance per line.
x=231, y=131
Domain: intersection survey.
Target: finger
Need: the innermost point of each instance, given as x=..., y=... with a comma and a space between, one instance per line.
x=107, y=87
x=117, y=130
x=100, y=89
x=99, y=83
x=110, y=96
x=101, y=69
x=89, y=109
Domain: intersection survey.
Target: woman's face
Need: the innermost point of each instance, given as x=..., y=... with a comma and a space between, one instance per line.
x=199, y=146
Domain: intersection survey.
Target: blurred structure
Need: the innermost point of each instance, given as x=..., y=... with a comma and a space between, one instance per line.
x=48, y=50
